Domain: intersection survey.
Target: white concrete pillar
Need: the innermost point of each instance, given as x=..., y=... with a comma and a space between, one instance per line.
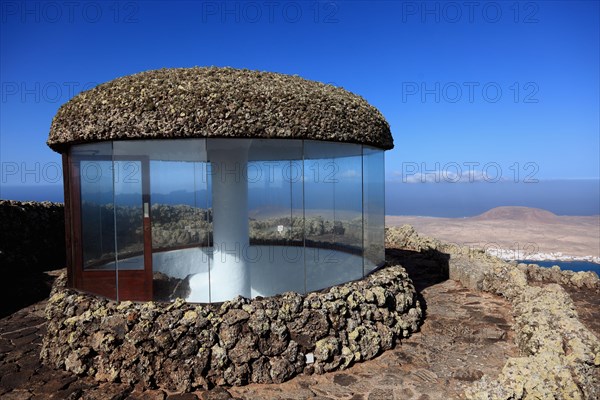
x=229, y=271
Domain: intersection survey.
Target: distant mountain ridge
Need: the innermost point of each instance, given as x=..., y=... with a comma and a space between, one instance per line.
x=517, y=213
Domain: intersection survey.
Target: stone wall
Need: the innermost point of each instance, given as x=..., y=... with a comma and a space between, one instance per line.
x=576, y=280
x=560, y=356
x=32, y=235
x=180, y=346
x=32, y=240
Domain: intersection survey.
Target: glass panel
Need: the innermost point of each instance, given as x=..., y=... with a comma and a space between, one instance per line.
x=97, y=219
x=181, y=228
x=319, y=185
x=348, y=222
x=275, y=255
x=174, y=212
x=333, y=209
x=274, y=191
x=129, y=214
x=295, y=176
x=181, y=216
x=374, y=207
x=94, y=230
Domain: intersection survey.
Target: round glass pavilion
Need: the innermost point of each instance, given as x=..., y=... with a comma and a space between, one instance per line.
x=210, y=217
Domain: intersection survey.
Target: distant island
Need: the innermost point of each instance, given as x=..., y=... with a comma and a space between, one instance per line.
x=516, y=233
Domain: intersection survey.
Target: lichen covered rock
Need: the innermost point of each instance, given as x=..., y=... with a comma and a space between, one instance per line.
x=181, y=346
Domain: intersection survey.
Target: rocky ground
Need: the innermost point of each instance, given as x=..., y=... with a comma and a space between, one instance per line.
x=466, y=334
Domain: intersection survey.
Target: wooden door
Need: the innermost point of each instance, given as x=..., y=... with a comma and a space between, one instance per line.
x=112, y=227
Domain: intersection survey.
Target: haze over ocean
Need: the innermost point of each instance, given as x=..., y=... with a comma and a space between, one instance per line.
x=562, y=197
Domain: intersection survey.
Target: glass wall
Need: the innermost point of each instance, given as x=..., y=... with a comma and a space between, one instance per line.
x=275, y=191
x=129, y=217
x=292, y=215
x=98, y=225
x=333, y=213
x=275, y=207
x=92, y=201
x=373, y=207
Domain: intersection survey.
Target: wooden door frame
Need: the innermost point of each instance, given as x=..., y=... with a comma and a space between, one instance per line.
x=132, y=284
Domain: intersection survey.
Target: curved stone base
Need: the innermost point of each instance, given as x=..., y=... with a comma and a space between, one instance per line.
x=181, y=346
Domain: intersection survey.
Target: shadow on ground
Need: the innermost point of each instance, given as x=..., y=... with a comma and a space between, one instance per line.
x=425, y=268
x=20, y=289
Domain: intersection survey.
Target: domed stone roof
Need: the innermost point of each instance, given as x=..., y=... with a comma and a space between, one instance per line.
x=217, y=102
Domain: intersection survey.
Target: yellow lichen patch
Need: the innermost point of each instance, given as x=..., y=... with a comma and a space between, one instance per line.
x=190, y=316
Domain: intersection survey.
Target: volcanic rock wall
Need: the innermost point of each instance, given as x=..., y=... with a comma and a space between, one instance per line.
x=32, y=235
x=32, y=240
x=560, y=356
x=180, y=346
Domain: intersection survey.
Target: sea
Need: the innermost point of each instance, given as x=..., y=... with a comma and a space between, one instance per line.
x=576, y=266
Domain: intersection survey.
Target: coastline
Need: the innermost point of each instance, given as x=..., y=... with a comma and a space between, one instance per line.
x=512, y=255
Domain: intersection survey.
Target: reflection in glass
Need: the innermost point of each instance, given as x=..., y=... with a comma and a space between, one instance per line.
x=275, y=255
x=97, y=218
x=373, y=208
x=275, y=191
x=129, y=216
x=181, y=227
x=333, y=213
x=299, y=215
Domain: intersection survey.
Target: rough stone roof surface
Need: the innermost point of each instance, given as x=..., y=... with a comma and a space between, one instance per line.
x=217, y=102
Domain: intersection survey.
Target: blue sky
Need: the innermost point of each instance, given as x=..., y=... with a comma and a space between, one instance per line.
x=496, y=87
